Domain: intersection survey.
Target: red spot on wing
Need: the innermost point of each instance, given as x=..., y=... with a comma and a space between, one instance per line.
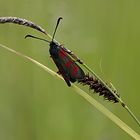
x=62, y=54
x=75, y=70
x=68, y=63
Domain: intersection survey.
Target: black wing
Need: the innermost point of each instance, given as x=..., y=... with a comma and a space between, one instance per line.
x=62, y=71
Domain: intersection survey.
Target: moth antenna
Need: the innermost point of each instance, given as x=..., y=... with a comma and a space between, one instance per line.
x=37, y=38
x=58, y=21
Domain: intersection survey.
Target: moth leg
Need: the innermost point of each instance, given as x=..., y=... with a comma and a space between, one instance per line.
x=58, y=72
x=66, y=78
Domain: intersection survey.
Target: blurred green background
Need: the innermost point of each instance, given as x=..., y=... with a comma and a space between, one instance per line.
x=37, y=106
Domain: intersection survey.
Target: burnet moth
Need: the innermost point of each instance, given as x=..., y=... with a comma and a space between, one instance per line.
x=64, y=60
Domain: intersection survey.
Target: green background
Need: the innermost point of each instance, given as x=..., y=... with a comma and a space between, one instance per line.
x=37, y=106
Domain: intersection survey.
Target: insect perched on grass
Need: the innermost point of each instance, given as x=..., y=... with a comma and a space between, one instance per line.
x=64, y=60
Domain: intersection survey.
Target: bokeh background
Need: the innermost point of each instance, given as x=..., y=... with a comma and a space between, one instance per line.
x=37, y=106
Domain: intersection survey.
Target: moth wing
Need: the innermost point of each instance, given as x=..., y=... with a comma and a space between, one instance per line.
x=62, y=71
x=70, y=67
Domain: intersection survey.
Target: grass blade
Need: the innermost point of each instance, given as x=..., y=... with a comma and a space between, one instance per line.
x=85, y=95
